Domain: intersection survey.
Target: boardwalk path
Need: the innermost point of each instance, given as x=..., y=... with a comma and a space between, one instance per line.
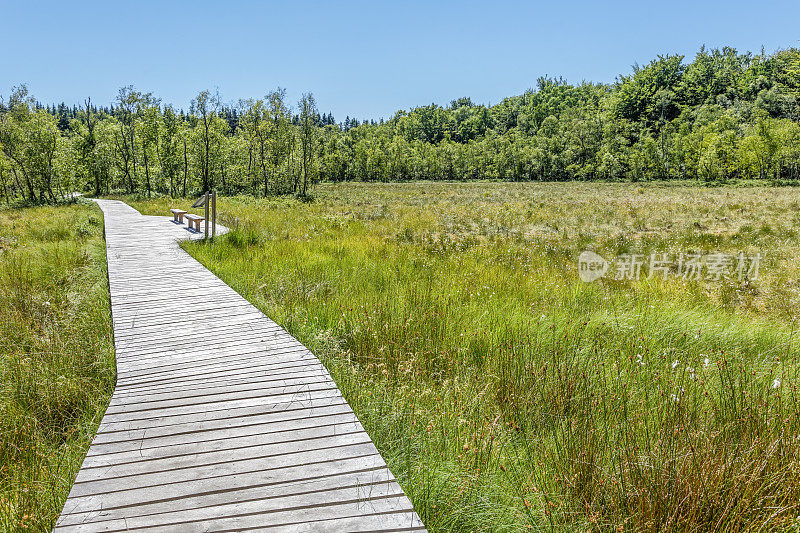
x=220, y=421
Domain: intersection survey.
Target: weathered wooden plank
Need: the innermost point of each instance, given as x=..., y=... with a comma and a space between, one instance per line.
x=223, y=400
x=189, y=314
x=233, y=344
x=246, y=447
x=228, y=372
x=215, y=336
x=149, y=373
x=161, y=344
x=189, y=339
x=135, y=482
x=176, y=365
x=261, y=512
x=142, y=419
x=224, y=415
x=142, y=437
x=310, y=373
x=181, y=326
x=246, y=432
x=203, y=506
x=216, y=394
x=216, y=491
x=217, y=342
x=176, y=303
x=256, y=366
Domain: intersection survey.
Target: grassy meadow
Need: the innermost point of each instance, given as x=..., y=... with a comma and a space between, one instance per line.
x=506, y=394
x=56, y=356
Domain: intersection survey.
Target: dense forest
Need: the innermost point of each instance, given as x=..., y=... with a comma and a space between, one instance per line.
x=725, y=115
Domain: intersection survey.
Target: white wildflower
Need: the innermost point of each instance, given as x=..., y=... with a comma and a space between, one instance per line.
x=675, y=364
x=706, y=362
x=776, y=383
x=639, y=359
x=691, y=371
x=677, y=397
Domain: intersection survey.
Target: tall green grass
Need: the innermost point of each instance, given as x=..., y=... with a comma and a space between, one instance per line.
x=57, y=360
x=507, y=395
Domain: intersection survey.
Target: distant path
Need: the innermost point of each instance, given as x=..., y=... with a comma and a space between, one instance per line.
x=220, y=421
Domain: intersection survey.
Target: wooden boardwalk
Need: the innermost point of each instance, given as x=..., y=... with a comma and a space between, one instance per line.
x=220, y=421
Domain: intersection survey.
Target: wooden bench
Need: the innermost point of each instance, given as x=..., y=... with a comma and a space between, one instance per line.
x=196, y=220
x=177, y=215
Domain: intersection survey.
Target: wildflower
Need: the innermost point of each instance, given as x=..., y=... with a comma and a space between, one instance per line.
x=639, y=359
x=776, y=383
x=706, y=362
x=691, y=371
x=675, y=364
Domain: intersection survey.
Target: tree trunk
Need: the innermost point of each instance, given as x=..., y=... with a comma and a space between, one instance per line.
x=207, y=162
x=5, y=192
x=147, y=174
x=133, y=158
x=185, y=167
x=222, y=173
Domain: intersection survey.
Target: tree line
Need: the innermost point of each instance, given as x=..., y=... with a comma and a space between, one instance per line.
x=139, y=145
x=724, y=115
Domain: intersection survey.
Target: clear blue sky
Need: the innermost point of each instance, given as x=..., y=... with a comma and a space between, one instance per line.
x=362, y=59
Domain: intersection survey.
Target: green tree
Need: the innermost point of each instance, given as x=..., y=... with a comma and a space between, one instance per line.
x=205, y=108
x=308, y=138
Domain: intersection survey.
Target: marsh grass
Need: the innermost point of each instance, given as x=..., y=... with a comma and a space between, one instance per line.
x=505, y=394
x=57, y=367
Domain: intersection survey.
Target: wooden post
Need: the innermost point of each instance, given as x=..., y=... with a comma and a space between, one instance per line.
x=213, y=214
x=205, y=236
